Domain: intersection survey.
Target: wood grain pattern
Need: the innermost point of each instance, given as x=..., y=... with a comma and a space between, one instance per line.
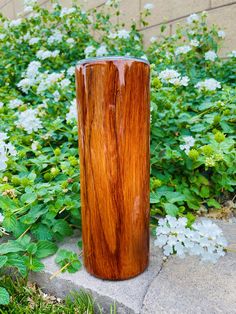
x=114, y=123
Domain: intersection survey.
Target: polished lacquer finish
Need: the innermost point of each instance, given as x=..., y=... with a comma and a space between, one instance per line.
x=114, y=122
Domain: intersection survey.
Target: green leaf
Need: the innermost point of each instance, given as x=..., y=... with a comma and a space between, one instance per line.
x=28, y=198
x=204, y=192
x=10, y=247
x=213, y=203
x=6, y=203
x=15, y=260
x=4, y=296
x=36, y=265
x=171, y=209
x=62, y=227
x=154, y=198
x=9, y=222
x=69, y=259
x=3, y=260
x=45, y=248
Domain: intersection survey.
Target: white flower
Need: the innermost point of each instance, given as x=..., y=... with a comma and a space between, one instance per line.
x=2, y=36
x=44, y=54
x=71, y=71
x=28, y=121
x=6, y=150
x=25, y=84
x=10, y=149
x=15, y=23
x=34, y=145
x=173, y=77
x=1, y=104
x=89, y=50
x=14, y=103
x=3, y=136
x=101, y=51
x=66, y=11
x=148, y=6
x=123, y=34
x=65, y=83
x=208, y=84
x=210, y=55
x=221, y=34
x=72, y=114
x=1, y=218
x=32, y=69
x=194, y=43
x=56, y=95
x=233, y=54
x=34, y=40
x=153, y=39
x=70, y=41
x=192, y=18
x=189, y=142
x=47, y=80
x=204, y=239
x=56, y=37
x=182, y=50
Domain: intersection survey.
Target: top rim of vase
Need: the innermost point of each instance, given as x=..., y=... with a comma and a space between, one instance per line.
x=111, y=58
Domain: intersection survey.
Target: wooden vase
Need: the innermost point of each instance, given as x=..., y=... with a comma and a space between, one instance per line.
x=114, y=123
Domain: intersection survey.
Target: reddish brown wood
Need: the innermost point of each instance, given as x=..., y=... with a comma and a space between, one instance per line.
x=113, y=106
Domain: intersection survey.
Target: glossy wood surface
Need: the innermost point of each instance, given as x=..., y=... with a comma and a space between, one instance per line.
x=114, y=122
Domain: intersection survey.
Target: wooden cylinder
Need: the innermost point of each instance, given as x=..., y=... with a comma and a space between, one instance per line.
x=114, y=122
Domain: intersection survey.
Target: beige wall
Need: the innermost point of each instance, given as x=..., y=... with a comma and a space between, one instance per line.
x=171, y=12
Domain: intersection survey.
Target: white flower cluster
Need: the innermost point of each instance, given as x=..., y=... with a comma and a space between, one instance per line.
x=173, y=77
x=14, y=23
x=205, y=239
x=188, y=143
x=194, y=43
x=33, y=41
x=122, y=33
x=31, y=76
x=72, y=114
x=15, y=103
x=89, y=50
x=71, y=71
x=47, y=80
x=233, y=54
x=182, y=50
x=56, y=37
x=28, y=120
x=210, y=55
x=192, y=18
x=101, y=51
x=208, y=84
x=6, y=149
x=67, y=11
x=45, y=54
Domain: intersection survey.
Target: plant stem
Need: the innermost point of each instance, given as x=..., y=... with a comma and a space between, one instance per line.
x=24, y=233
x=59, y=271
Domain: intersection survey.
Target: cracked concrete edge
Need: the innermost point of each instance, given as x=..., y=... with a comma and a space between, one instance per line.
x=150, y=284
x=62, y=287
x=64, y=283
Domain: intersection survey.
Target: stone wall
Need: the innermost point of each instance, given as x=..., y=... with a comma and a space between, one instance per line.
x=170, y=12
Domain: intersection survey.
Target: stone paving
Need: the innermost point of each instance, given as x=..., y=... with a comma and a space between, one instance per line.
x=175, y=286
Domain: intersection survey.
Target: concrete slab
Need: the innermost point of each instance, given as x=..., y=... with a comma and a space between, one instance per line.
x=177, y=286
x=128, y=294
x=189, y=286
